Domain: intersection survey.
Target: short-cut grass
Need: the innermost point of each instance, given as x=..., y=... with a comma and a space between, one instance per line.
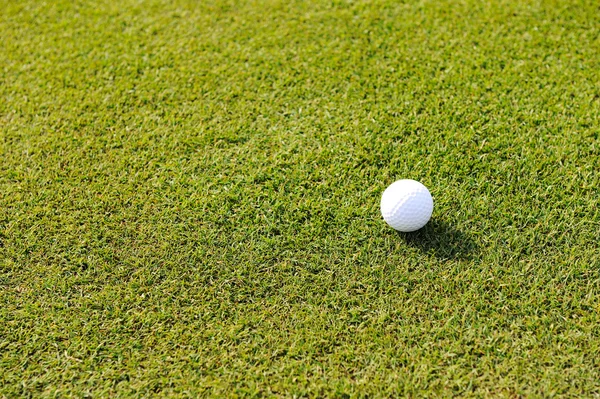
x=189, y=198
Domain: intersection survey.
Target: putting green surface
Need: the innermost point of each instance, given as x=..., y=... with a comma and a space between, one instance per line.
x=189, y=198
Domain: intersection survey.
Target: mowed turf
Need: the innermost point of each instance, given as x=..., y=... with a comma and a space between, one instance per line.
x=189, y=198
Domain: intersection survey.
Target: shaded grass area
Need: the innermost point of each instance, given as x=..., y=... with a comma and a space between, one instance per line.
x=189, y=198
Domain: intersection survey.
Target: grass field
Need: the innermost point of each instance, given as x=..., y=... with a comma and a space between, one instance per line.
x=189, y=198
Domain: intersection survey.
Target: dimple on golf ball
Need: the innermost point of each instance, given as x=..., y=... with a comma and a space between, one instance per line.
x=406, y=205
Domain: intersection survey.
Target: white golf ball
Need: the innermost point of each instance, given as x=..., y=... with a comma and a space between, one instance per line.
x=406, y=205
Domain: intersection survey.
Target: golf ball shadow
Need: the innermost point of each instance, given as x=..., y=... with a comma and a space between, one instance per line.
x=442, y=240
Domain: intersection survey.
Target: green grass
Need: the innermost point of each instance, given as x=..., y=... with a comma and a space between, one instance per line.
x=189, y=198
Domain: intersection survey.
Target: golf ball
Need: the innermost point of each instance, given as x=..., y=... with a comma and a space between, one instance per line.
x=406, y=205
